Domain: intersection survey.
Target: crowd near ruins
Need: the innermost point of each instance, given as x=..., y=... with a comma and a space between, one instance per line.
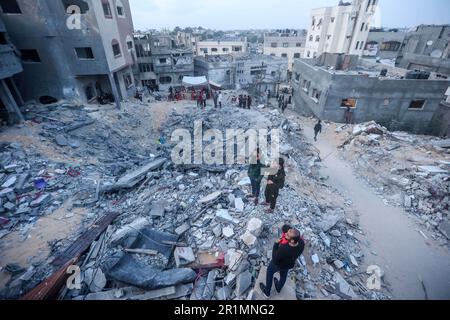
x=94, y=207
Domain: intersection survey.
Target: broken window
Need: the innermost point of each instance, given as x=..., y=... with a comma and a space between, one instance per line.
x=297, y=76
x=128, y=80
x=308, y=54
x=84, y=7
x=345, y=103
x=116, y=48
x=316, y=95
x=417, y=104
x=30, y=55
x=107, y=9
x=204, y=50
x=84, y=53
x=332, y=19
x=163, y=61
x=284, y=55
x=274, y=45
x=120, y=12
x=329, y=37
x=306, y=85
x=296, y=55
x=10, y=7
x=390, y=46
x=165, y=80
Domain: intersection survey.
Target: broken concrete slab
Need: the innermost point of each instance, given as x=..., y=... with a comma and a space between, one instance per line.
x=325, y=239
x=183, y=256
x=338, y=264
x=243, y=283
x=10, y=182
x=255, y=226
x=61, y=140
x=122, y=233
x=233, y=259
x=224, y=216
x=331, y=219
x=131, y=179
x=181, y=291
x=210, y=198
x=228, y=232
x=43, y=199
x=239, y=205
x=158, y=208
x=249, y=239
x=182, y=229
x=343, y=286
x=432, y=170
x=125, y=268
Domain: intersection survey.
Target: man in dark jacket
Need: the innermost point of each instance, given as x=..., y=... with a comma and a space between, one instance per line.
x=249, y=102
x=283, y=260
x=317, y=129
x=275, y=182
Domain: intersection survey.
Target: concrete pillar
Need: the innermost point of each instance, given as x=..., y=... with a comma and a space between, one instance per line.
x=16, y=90
x=11, y=102
x=115, y=92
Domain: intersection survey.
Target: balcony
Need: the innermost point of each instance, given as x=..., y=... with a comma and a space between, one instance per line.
x=9, y=63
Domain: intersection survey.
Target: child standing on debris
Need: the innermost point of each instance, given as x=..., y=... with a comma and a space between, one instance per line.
x=256, y=175
x=275, y=182
x=317, y=129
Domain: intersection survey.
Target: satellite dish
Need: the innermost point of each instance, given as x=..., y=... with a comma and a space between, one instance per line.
x=429, y=43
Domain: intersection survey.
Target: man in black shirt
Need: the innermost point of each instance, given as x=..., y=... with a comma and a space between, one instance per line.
x=284, y=257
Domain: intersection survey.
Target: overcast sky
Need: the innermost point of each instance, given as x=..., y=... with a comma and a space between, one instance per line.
x=271, y=14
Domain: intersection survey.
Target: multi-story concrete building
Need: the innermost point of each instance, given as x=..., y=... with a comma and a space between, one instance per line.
x=288, y=44
x=340, y=29
x=10, y=97
x=384, y=44
x=72, y=49
x=244, y=72
x=230, y=45
x=372, y=91
x=161, y=63
x=426, y=48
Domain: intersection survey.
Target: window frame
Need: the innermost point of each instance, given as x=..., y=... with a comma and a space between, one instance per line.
x=417, y=109
x=13, y=13
x=108, y=6
x=84, y=48
x=30, y=61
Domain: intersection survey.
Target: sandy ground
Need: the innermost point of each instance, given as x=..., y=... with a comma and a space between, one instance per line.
x=392, y=238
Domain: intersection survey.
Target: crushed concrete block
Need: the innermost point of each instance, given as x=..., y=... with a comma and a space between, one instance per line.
x=61, y=140
x=336, y=233
x=338, y=264
x=343, y=286
x=228, y=232
x=154, y=294
x=353, y=260
x=325, y=239
x=233, y=259
x=254, y=226
x=43, y=199
x=408, y=202
x=183, y=256
x=243, y=283
x=182, y=229
x=10, y=182
x=245, y=182
x=224, y=216
x=315, y=259
x=181, y=291
x=239, y=205
x=210, y=198
x=9, y=206
x=217, y=231
x=158, y=208
x=249, y=239
x=330, y=220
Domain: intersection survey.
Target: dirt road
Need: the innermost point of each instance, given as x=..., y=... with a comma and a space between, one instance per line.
x=394, y=242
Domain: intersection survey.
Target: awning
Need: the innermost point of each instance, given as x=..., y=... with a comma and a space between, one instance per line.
x=195, y=81
x=215, y=85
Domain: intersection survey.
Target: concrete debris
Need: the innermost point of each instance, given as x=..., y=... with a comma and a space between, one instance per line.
x=243, y=283
x=254, y=226
x=228, y=232
x=183, y=256
x=210, y=198
x=249, y=239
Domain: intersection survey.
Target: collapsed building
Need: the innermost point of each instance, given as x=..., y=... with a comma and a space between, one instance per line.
x=10, y=97
x=398, y=99
x=75, y=50
x=161, y=63
x=251, y=71
x=426, y=48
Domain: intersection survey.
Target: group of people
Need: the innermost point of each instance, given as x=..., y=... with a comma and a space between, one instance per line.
x=245, y=101
x=291, y=245
x=283, y=102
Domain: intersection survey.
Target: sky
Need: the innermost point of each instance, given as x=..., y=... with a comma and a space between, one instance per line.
x=273, y=14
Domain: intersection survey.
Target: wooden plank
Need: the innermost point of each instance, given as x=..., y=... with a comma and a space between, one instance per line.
x=142, y=251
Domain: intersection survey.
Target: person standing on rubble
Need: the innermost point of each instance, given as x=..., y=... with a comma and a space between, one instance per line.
x=275, y=183
x=284, y=257
x=220, y=99
x=249, y=102
x=255, y=173
x=317, y=129
x=216, y=99
x=204, y=99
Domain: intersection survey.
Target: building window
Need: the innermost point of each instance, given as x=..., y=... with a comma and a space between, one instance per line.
x=345, y=103
x=30, y=55
x=3, y=39
x=107, y=9
x=116, y=49
x=237, y=48
x=10, y=7
x=273, y=55
x=145, y=67
x=284, y=55
x=306, y=85
x=285, y=45
x=204, y=50
x=84, y=53
x=362, y=45
x=390, y=46
x=362, y=26
x=308, y=54
x=297, y=76
x=417, y=104
x=357, y=45
x=317, y=38
x=329, y=37
x=298, y=44
x=296, y=55
x=128, y=80
x=316, y=95
x=273, y=73
x=165, y=80
x=274, y=45
x=120, y=11
x=311, y=38
x=214, y=50
x=130, y=45
x=332, y=19
x=163, y=61
x=225, y=49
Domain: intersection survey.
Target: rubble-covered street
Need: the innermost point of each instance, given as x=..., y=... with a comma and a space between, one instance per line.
x=72, y=174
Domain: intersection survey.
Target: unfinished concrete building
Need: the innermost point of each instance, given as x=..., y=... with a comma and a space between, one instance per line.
x=161, y=63
x=10, y=97
x=72, y=49
x=288, y=44
x=244, y=72
x=327, y=87
x=426, y=48
x=340, y=29
x=384, y=44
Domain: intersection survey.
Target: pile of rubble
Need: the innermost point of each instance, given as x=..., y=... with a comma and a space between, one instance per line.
x=415, y=170
x=182, y=231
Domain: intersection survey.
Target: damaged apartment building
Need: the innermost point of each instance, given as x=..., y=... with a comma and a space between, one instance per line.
x=396, y=98
x=288, y=44
x=251, y=71
x=227, y=45
x=426, y=48
x=10, y=97
x=384, y=44
x=72, y=49
x=161, y=63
